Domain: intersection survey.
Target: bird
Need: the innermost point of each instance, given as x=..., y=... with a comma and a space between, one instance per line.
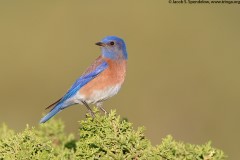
x=102, y=80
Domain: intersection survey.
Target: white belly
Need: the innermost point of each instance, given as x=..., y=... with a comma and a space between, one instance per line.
x=101, y=95
x=96, y=96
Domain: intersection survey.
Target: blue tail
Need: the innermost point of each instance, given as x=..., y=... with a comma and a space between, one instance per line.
x=54, y=111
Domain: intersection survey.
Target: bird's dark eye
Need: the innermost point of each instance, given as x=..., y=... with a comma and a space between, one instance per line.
x=112, y=43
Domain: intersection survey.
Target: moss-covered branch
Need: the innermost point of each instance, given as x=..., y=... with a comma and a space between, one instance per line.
x=105, y=137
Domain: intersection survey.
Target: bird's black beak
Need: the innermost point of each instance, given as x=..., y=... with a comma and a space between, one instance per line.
x=100, y=43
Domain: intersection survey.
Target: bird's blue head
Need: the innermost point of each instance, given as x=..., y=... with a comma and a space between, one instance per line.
x=113, y=47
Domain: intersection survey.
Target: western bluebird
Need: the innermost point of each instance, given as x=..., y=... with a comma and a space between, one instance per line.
x=102, y=80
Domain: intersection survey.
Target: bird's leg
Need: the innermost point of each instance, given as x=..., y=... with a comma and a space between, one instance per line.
x=99, y=105
x=89, y=109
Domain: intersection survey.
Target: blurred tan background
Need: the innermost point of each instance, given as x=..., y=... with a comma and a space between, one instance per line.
x=183, y=71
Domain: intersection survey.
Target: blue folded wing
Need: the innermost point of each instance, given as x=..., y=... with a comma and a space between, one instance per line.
x=81, y=81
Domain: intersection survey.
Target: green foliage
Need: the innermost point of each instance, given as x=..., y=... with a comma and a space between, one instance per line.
x=105, y=137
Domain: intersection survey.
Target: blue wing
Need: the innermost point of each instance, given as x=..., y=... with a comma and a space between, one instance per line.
x=80, y=82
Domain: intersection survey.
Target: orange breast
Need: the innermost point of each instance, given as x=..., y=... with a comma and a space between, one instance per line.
x=113, y=75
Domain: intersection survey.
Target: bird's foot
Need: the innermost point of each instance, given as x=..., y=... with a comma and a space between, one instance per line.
x=99, y=106
x=91, y=113
x=103, y=110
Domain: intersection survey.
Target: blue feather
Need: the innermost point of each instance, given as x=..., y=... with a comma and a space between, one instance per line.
x=84, y=80
x=80, y=82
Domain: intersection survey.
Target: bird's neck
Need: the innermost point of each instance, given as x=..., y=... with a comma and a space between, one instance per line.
x=118, y=64
x=117, y=69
